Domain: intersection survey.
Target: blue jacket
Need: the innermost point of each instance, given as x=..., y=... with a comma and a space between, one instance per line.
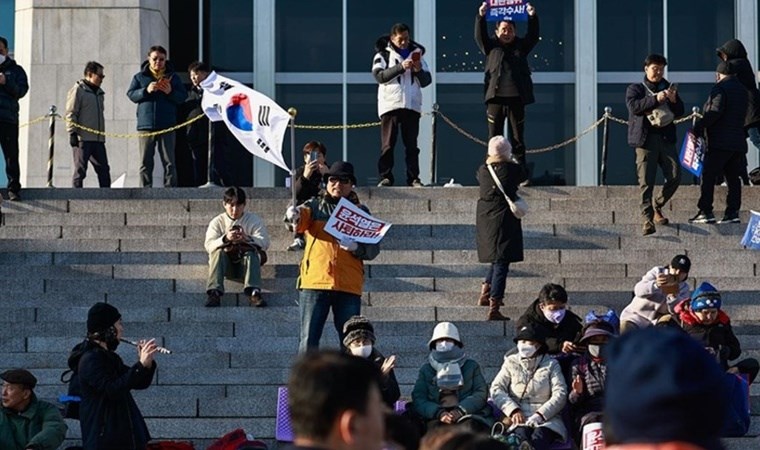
x=156, y=111
x=16, y=86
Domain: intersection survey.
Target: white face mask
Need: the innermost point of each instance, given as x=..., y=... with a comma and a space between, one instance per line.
x=526, y=350
x=444, y=346
x=595, y=350
x=555, y=316
x=362, y=351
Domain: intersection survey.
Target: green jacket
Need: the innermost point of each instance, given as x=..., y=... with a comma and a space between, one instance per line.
x=40, y=427
x=473, y=395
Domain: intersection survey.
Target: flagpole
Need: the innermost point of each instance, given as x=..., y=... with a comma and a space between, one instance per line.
x=293, y=112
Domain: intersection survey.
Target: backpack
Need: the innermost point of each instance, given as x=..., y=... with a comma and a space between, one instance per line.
x=72, y=398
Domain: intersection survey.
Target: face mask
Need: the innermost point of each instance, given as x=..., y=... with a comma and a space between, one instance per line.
x=595, y=350
x=444, y=346
x=555, y=316
x=362, y=351
x=526, y=350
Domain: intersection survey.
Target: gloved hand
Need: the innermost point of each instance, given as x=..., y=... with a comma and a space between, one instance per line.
x=534, y=420
x=292, y=214
x=348, y=245
x=74, y=139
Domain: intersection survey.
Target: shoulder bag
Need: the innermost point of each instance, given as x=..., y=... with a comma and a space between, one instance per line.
x=519, y=207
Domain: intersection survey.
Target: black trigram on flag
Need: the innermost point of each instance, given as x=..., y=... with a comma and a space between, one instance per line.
x=264, y=115
x=225, y=85
x=263, y=145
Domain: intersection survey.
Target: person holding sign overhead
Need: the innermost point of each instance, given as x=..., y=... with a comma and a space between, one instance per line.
x=332, y=271
x=508, y=83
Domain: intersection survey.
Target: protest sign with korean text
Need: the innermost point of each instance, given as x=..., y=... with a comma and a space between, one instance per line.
x=692, y=153
x=348, y=221
x=499, y=10
x=751, y=237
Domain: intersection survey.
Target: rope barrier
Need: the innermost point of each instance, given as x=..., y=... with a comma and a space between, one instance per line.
x=133, y=135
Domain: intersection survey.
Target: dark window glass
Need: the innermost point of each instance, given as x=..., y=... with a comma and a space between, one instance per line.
x=317, y=104
x=228, y=33
x=364, y=143
x=628, y=32
x=698, y=28
x=548, y=121
x=621, y=159
x=458, y=52
x=309, y=36
x=183, y=40
x=7, y=15
x=367, y=21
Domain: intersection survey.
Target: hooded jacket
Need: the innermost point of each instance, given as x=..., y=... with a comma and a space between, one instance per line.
x=16, y=86
x=515, y=54
x=736, y=56
x=40, y=427
x=398, y=88
x=156, y=110
x=723, y=118
x=84, y=106
x=326, y=266
x=568, y=329
x=718, y=335
x=109, y=416
x=649, y=302
x=543, y=391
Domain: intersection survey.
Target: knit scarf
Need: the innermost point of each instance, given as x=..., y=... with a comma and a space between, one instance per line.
x=448, y=368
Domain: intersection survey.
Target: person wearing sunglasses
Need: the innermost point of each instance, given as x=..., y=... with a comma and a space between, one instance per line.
x=332, y=271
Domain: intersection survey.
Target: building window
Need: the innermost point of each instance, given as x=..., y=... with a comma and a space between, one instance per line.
x=698, y=28
x=309, y=36
x=627, y=33
x=228, y=35
x=367, y=21
x=458, y=52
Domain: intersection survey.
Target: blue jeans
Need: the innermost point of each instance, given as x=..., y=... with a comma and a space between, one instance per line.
x=497, y=278
x=314, y=306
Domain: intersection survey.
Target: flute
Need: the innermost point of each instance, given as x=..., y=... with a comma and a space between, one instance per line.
x=159, y=349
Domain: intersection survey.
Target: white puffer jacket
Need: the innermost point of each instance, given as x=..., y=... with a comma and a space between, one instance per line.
x=398, y=88
x=546, y=391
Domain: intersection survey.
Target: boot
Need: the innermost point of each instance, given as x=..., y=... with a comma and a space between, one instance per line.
x=493, y=310
x=485, y=291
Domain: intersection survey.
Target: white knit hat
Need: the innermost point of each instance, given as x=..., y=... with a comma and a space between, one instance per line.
x=445, y=330
x=498, y=146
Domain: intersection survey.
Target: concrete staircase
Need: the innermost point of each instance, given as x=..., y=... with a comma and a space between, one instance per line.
x=61, y=250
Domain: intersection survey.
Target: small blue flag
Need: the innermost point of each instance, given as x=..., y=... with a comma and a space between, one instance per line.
x=751, y=237
x=692, y=153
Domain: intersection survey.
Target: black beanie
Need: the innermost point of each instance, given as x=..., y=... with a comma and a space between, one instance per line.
x=663, y=386
x=101, y=316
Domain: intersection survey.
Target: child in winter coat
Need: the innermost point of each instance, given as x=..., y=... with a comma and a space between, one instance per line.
x=702, y=318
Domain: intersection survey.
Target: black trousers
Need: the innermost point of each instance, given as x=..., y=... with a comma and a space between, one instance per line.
x=95, y=153
x=732, y=165
x=390, y=122
x=512, y=109
x=9, y=143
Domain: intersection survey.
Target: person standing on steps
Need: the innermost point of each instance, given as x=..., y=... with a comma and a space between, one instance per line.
x=13, y=86
x=401, y=73
x=499, y=232
x=655, y=143
x=508, y=82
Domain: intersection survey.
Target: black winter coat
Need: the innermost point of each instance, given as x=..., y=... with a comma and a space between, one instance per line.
x=498, y=232
x=723, y=117
x=719, y=335
x=306, y=188
x=109, y=416
x=156, y=111
x=640, y=103
x=736, y=56
x=569, y=328
x=16, y=86
x=197, y=132
x=515, y=54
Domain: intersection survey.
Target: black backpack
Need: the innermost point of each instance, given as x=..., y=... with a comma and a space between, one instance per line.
x=73, y=396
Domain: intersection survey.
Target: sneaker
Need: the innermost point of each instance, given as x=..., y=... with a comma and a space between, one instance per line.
x=730, y=218
x=14, y=196
x=256, y=299
x=526, y=183
x=297, y=244
x=385, y=182
x=214, y=299
x=703, y=217
x=417, y=183
x=648, y=228
x=659, y=219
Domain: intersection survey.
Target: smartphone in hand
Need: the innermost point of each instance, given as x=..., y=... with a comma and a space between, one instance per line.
x=416, y=56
